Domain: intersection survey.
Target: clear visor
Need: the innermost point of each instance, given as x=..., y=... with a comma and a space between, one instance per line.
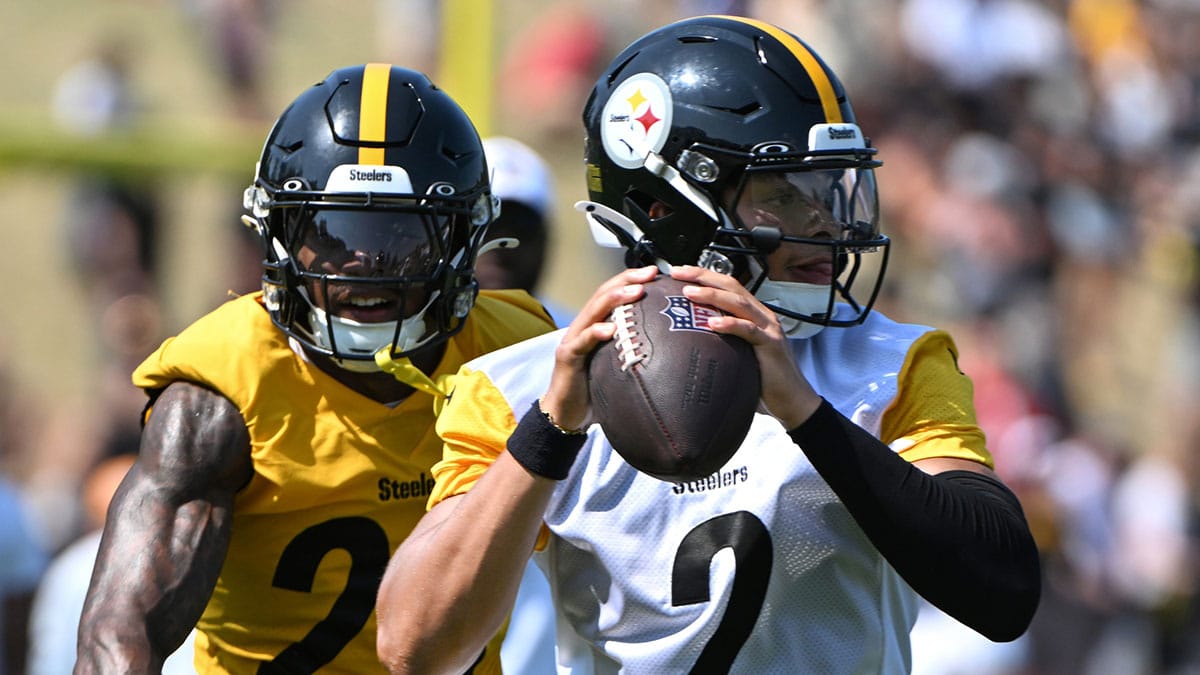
x=369, y=243
x=838, y=204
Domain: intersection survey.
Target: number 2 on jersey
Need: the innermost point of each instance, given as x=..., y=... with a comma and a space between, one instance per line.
x=743, y=532
x=367, y=545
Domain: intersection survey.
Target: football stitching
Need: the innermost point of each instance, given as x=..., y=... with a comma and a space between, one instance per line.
x=630, y=351
x=658, y=418
x=628, y=347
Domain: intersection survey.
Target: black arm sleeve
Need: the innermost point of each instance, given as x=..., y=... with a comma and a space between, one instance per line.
x=959, y=538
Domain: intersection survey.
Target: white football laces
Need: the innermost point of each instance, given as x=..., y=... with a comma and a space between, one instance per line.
x=629, y=349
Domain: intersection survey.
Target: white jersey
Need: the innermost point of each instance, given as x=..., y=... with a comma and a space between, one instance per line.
x=757, y=568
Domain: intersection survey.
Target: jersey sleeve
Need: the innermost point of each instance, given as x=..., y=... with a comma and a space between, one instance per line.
x=474, y=425
x=933, y=414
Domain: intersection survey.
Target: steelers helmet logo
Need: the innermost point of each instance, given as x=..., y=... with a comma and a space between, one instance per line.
x=636, y=120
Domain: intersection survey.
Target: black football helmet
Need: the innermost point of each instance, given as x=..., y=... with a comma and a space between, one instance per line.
x=687, y=119
x=371, y=198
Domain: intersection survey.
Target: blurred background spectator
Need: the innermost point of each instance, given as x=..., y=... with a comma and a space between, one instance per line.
x=1041, y=181
x=22, y=562
x=58, y=603
x=23, y=553
x=235, y=44
x=526, y=188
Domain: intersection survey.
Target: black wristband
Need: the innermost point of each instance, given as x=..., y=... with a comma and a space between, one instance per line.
x=543, y=448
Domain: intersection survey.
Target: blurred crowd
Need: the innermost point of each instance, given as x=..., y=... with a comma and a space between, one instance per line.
x=1041, y=182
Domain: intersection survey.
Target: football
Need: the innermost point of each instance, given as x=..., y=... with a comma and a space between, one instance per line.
x=674, y=398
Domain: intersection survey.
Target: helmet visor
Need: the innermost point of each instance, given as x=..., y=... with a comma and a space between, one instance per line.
x=823, y=205
x=370, y=243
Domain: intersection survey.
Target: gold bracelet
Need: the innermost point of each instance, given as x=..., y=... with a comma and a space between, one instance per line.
x=556, y=425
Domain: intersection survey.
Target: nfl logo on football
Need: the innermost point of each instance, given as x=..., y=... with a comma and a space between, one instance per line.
x=685, y=315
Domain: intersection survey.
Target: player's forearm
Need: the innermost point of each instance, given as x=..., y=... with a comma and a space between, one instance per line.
x=128, y=638
x=113, y=646
x=959, y=539
x=155, y=570
x=464, y=563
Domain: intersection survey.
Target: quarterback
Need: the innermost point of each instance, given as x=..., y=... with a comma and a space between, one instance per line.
x=724, y=152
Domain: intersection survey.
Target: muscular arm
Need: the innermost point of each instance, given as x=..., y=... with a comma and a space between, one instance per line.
x=166, y=535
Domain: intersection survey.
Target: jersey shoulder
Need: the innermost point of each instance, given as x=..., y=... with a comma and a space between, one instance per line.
x=931, y=408
x=503, y=317
x=528, y=361
x=237, y=331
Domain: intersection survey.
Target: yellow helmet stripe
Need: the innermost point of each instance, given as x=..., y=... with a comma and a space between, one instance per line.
x=829, y=102
x=372, y=111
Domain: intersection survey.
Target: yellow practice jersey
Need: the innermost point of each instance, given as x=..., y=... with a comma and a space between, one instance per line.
x=339, y=481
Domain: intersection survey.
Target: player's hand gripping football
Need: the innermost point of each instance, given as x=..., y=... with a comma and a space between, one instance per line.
x=786, y=394
x=566, y=400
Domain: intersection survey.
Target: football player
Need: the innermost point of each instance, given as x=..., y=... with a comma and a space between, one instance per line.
x=289, y=434
x=725, y=152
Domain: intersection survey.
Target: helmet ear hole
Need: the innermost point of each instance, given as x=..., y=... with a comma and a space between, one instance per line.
x=639, y=207
x=658, y=210
x=642, y=202
x=641, y=255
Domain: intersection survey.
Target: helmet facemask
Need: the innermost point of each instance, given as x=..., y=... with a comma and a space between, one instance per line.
x=796, y=228
x=371, y=198
x=804, y=228
x=351, y=274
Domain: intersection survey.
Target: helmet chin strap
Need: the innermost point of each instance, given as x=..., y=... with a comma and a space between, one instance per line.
x=377, y=338
x=405, y=371
x=613, y=229
x=501, y=243
x=610, y=228
x=799, y=298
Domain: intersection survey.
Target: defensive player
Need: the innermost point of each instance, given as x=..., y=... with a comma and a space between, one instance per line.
x=725, y=150
x=289, y=438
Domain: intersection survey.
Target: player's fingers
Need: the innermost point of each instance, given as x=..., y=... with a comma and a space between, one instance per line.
x=620, y=289
x=593, y=325
x=706, y=277
x=576, y=346
x=567, y=397
x=721, y=291
x=744, y=316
